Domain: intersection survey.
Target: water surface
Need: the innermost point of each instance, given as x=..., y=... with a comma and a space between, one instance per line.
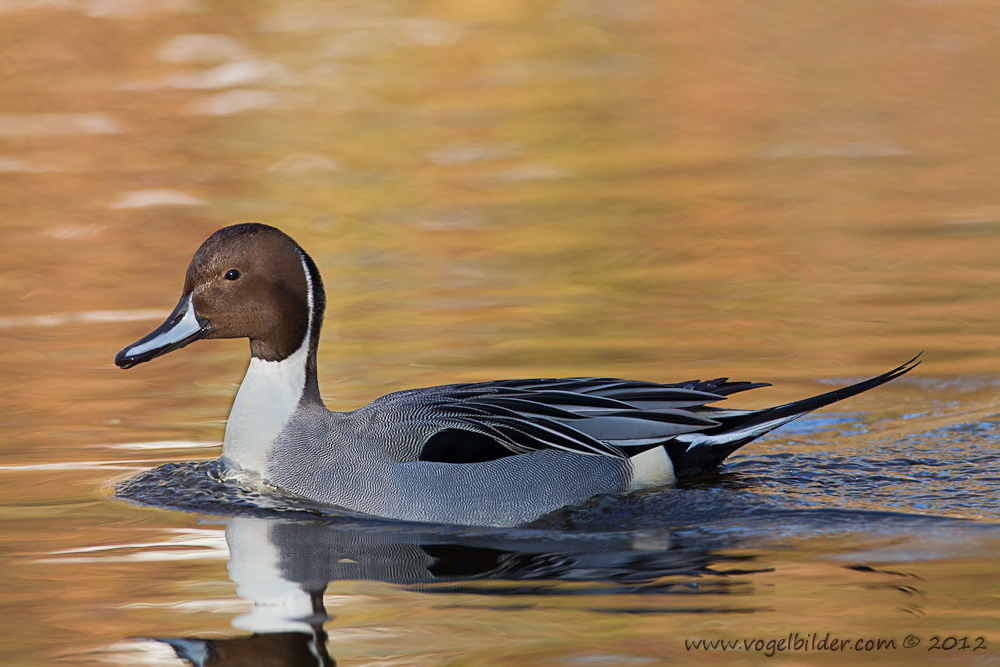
x=799, y=193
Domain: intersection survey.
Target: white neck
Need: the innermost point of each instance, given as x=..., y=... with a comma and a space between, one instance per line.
x=268, y=395
x=267, y=398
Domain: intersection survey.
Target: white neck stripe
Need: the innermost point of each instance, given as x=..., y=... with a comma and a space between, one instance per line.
x=268, y=397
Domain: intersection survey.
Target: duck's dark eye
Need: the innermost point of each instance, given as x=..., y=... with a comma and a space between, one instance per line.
x=232, y=274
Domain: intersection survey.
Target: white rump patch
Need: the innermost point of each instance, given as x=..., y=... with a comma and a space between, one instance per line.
x=651, y=468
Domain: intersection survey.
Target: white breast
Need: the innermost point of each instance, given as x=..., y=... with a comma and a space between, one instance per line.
x=268, y=396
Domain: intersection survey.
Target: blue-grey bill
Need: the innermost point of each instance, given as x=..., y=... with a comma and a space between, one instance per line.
x=182, y=326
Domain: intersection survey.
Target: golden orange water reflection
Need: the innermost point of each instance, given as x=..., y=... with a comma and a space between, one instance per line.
x=773, y=191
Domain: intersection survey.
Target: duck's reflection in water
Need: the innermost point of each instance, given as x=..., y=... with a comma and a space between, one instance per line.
x=284, y=567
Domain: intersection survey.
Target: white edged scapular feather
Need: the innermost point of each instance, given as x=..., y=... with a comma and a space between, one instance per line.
x=491, y=453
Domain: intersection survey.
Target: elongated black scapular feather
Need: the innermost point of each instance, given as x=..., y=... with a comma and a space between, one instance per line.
x=602, y=416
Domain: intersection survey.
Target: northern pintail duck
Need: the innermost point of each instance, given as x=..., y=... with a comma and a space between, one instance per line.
x=493, y=453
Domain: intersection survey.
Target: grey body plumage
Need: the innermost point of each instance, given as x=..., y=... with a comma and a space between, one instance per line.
x=493, y=453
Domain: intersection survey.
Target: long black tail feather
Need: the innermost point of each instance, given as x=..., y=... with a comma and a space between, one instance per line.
x=807, y=405
x=691, y=460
